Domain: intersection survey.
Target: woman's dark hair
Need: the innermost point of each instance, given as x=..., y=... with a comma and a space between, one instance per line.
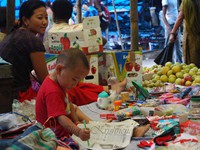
x=28, y=7
x=27, y=10
x=62, y=10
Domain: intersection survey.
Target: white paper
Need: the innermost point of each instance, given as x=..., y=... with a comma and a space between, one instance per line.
x=107, y=136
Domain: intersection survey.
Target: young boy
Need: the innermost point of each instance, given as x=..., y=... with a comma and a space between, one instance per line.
x=52, y=100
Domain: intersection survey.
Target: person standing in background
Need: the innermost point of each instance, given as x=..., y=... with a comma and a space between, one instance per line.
x=189, y=11
x=170, y=14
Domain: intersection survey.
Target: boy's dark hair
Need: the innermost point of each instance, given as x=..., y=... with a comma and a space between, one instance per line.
x=62, y=10
x=72, y=57
x=2, y=17
x=28, y=7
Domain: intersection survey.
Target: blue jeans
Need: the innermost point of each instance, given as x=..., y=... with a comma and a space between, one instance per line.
x=178, y=53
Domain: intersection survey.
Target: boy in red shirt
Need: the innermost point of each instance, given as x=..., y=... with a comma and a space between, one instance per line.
x=52, y=100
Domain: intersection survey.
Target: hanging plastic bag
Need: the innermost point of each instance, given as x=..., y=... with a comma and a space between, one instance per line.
x=166, y=54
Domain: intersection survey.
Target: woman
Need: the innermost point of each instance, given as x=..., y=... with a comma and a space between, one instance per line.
x=24, y=50
x=189, y=11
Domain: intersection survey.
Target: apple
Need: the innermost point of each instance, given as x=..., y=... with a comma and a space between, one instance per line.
x=188, y=83
x=197, y=80
x=129, y=66
x=169, y=73
x=93, y=70
x=182, y=81
x=191, y=72
x=171, y=79
x=65, y=41
x=169, y=64
x=179, y=75
x=188, y=78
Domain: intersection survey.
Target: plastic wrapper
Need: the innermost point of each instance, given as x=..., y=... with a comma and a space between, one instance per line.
x=25, y=110
x=169, y=109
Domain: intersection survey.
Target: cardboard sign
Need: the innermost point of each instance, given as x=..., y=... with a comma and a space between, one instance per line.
x=85, y=36
x=120, y=65
x=92, y=77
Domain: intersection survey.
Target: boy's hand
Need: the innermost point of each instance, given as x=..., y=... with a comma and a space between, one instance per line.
x=84, y=134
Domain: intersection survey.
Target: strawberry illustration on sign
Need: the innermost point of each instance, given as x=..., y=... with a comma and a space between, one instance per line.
x=65, y=41
x=137, y=67
x=93, y=70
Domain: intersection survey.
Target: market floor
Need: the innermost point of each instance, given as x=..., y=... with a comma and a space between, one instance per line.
x=148, y=63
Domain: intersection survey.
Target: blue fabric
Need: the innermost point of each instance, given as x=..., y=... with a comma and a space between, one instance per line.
x=8, y=142
x=91, y=12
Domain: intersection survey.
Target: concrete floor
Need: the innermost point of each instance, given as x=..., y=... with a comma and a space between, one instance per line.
x=148, y=63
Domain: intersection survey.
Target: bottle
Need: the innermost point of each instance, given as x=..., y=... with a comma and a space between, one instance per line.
x=112, y=80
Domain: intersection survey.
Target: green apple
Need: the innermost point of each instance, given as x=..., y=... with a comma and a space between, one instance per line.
x=169, y=64
x=191, y=73
x=179, y=75
x=169, y=73
x=171, y=80
x=164, y=78
x=188, y=83
x=197, y=80
x=192, y=65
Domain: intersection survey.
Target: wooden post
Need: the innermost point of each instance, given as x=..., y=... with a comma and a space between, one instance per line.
x=134, y=24
x=79, y=11
x=10, y=17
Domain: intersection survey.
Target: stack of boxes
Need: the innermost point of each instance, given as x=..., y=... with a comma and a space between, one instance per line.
x=87, y=37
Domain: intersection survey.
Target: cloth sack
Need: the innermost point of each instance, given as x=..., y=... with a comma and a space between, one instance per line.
x=35, y=137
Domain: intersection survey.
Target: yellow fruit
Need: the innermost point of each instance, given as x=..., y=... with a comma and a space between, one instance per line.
x=185, y=75
x=157, y=83
x=176, y=69
x=169, y=73
x=172, y=76
x=180, y=81
x=195, y=69
x=157, y=78
x=171, y=80
x=192, y=65
x=164, y=78
x=188, y=83
x=169, y=64
x=197, y=80
x=191, y=72
x=179, y=75
x=165, y=70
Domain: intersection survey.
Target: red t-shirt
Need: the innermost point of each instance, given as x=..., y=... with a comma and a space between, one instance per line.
x=50, y=102
x=84, y=93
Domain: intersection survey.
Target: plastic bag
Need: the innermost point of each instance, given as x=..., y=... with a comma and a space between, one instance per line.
x=165, y=55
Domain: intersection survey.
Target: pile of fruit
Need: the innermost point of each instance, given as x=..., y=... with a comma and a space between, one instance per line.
x=178, y=73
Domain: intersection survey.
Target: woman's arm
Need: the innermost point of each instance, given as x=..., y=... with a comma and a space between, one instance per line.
x=39, y=65
x=177, y=24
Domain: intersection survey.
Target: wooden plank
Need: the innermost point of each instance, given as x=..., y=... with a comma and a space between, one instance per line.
x=79, y=11
x=10, y=17
x=134, y=24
